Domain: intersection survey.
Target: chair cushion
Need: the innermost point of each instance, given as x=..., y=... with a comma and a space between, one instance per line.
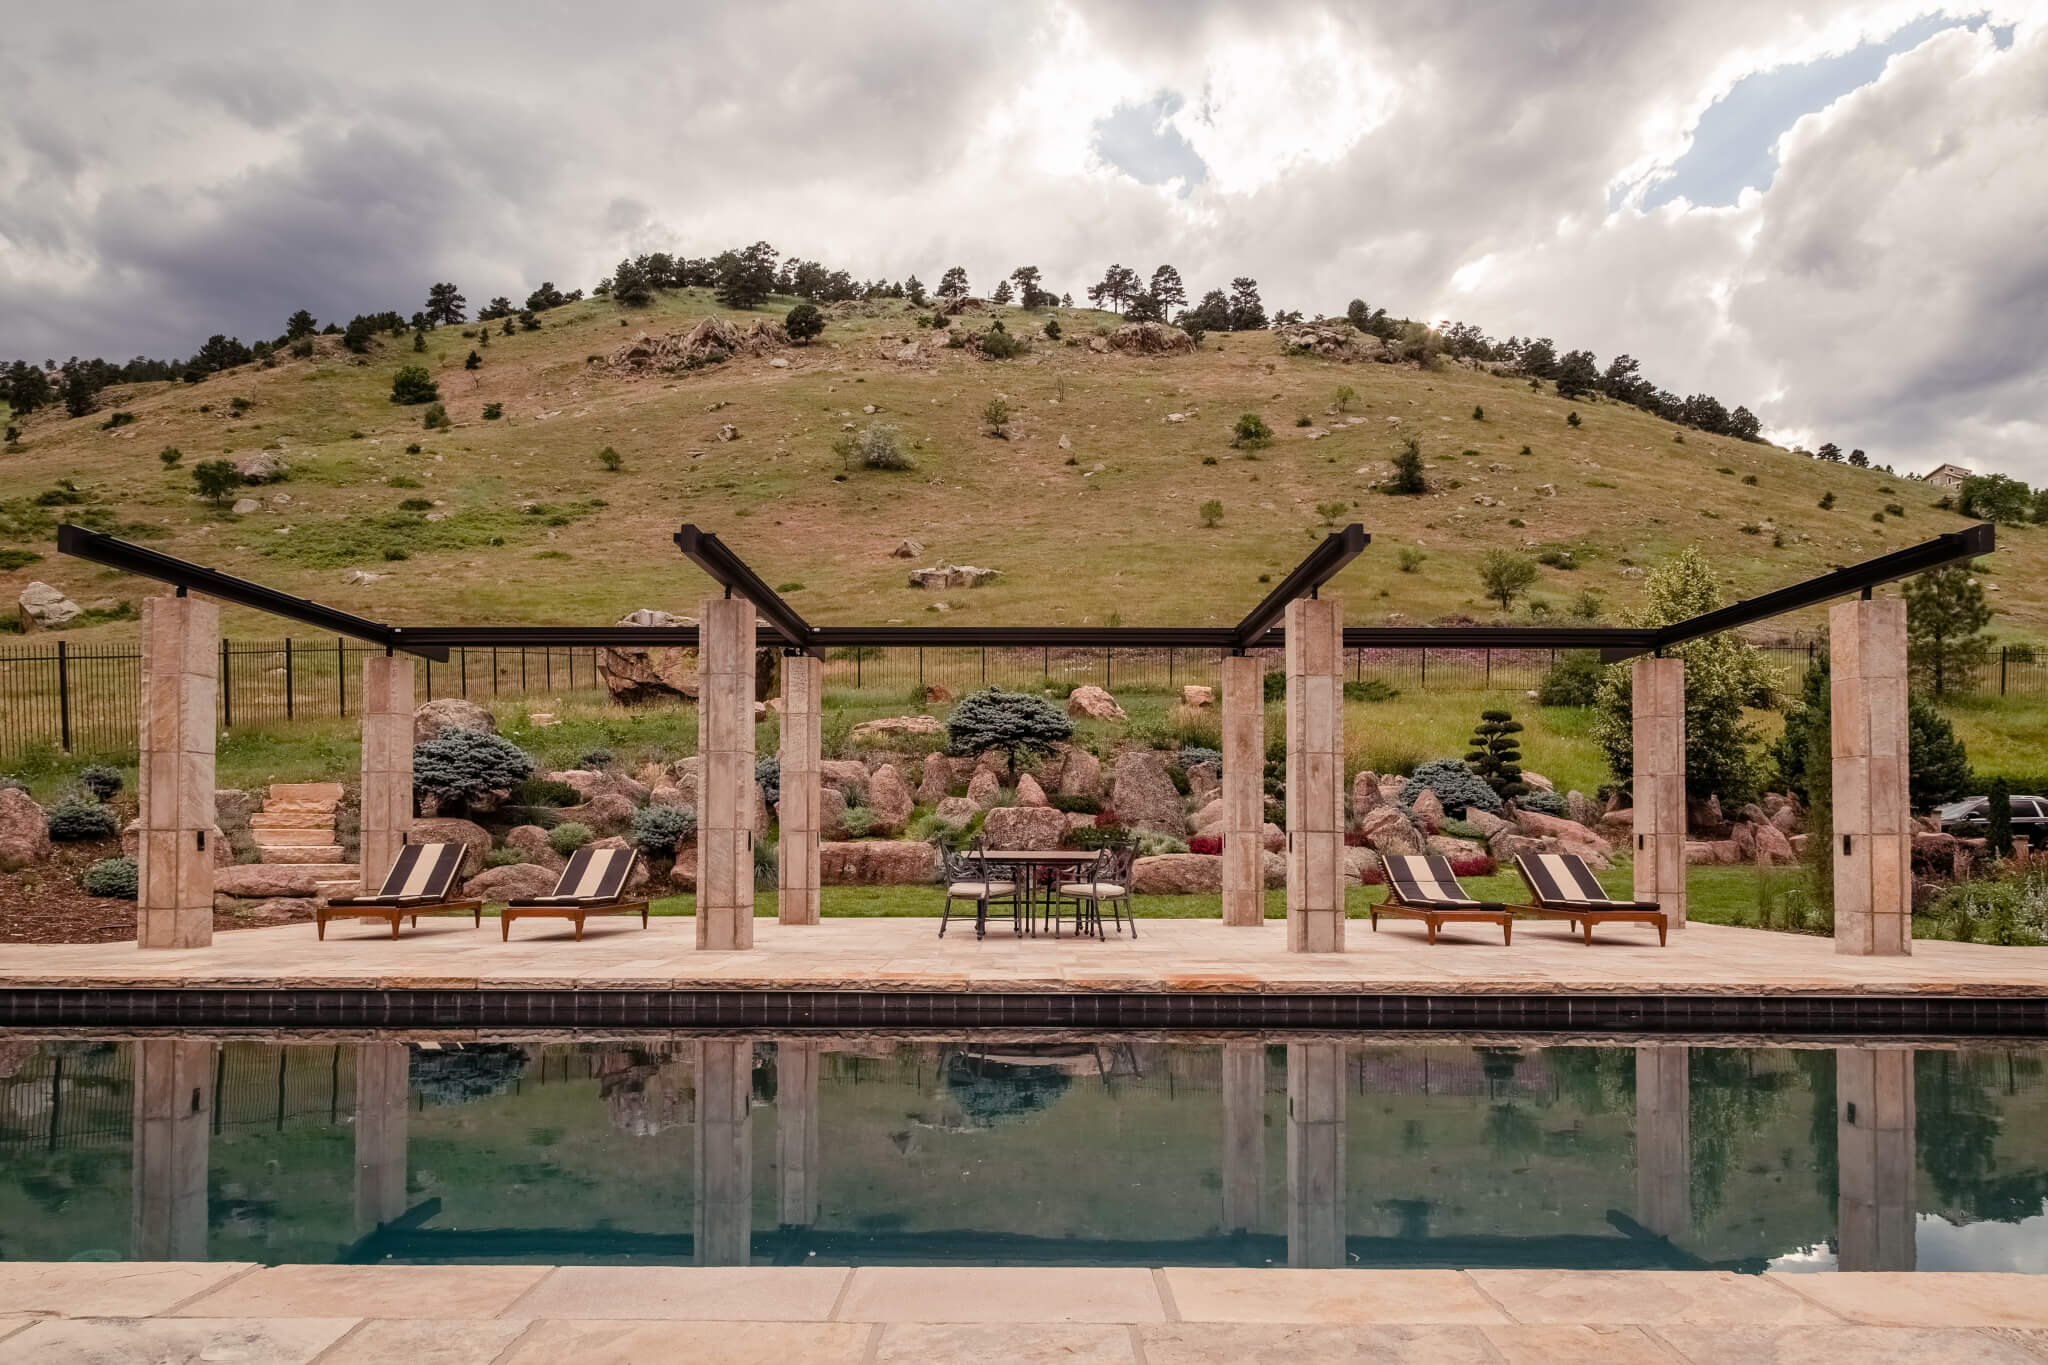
x=1108, y=890
x=980, y=890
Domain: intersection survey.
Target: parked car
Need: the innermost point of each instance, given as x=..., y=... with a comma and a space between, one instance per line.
x=1968, y=817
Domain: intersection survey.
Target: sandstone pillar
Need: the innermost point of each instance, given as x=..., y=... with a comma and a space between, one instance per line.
x=1873, y=832
x=173, y=1084
x=1244, y=789
x=383, y=1073
x=1315, y=1155
x=725, y=738
x=1315, y=775
x=387, y=763
x=1664, y=1140
x=1657, y=690
x=1874, y=1148
x=796, y=1130
x=724, y=1164
x=1244, y=1136
x=180, y=671
x=797, y=899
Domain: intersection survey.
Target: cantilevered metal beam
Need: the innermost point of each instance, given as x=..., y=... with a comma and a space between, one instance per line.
x=1976, y=540
x=710, y=554
x=1322, y=564
x=555, y=637
x=131, y=558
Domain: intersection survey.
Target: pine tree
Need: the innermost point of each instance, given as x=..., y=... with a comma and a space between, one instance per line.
x=1945, y=617
x=953, y=284
x=1167, y=288
x=1496, y=755
x=445, y=305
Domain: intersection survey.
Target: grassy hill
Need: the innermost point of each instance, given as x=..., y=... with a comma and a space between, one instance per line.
x=1090, y=507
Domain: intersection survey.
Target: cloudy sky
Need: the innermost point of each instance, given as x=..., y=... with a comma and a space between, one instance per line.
x=1836, y=214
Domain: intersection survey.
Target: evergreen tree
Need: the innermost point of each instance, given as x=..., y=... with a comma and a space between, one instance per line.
x=299, y=324
x=630, y=286
x=1212, y=314
x=1002, y=293
x=1409, y=479
x=1945, y=617
x=1496, y=755
x=445, y=305
x=804, y=322
x=1998, y=819
x=953, y=284
x=1167, y=288
x=545, y=297
x=746, y=278
x=215, y=479
x=80, y=390
x=1029, y=295
x=28, y=387
x=1539, y=358
x=1247, y=314
x=1145, y=308
x=1577, y=374
x=913, y=290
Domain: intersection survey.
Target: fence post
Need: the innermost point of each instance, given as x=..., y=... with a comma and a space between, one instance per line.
x=547, y=668
x=1105, y=668
x=1045, y=663
x=288, y=704
x=2001, y=670
x=1425, y=666
x=341, y=673
x=522, y=670
x=227, y=688
x=920, y=667
x=984, y=665
x=1489, y=668
x=1169, y=668
x=494, y=670
x=859, y=653
x=64, y=695
x=464, y=652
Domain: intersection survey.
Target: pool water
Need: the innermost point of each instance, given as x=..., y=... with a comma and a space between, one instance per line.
x=1016, y=1150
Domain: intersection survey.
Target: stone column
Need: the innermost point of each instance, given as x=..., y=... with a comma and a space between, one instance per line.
x=1657, y=691
x=1873, y=832
x=1874, y=1142
x=797, y=899
x=724, y=1164
x=387, y=763
x=725, y=738
x=383, y=1073
x=1244, y=789
x=1315, y=1155
x=1244, y=1136
x=173, y=1084
x=796, y=1130
x=180, y=670
x=1315, y=775
x=1664, y=1140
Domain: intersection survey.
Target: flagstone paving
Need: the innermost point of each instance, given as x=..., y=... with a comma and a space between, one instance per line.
x=339, y=1315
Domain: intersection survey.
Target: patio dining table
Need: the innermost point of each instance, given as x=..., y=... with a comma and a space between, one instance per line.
x=1029, y=861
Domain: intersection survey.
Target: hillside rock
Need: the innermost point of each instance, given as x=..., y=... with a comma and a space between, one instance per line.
x=876, y=862
x=1196, y=697
x=907, y=549
x=605, y=813
x=437, y=717
x=1204, y=781
x=1207, y=820
x=260, y=881
x=1177, y=874
x=1429, y=811
x=1150, y=338
x=957, y=811
x=936, y=781
x=945, y=575
x=511, y=882
x=845, y=774
x=1143, y=795
x=474, y=838
x=265, y=466
x=1029, y=793
x=713, y=341
x=1365, y=794
x=889, y=798
x=24, y=831
x=1024, y=827
x=889, y=728
x=1082, y=774
x=531, y=843
x=632, y=674
x=1388, y=831
x=1092, y=703
x=984, y=789
x=1332, y=339
x=45, y=606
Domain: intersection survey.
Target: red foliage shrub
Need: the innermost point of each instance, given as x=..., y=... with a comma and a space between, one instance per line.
x=1477, y=865
x=1107, y=819
x=1355, y=838
x=1206, y=843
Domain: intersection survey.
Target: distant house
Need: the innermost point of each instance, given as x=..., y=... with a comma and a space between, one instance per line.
x=1949, y=476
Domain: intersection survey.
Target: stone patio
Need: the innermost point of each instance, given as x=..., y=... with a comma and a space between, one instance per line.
x=537, y=1315
x=906, y=954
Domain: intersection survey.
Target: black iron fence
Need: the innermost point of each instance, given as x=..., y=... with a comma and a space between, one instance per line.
x=82, y=699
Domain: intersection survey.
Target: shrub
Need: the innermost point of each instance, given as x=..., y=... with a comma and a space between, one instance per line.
x=1409, y=560
x=436, y=418
x=657, y=829
x=1455, y=785
x=1408, y=479
x=1152, y=845
x=1574, y=680
x=568, y=836
x=1543, y=801
x=545, y=791
x=768, y=774
x=1505, y=576
x=1212, y=512
x=1075, y=805
x=170, y=455
x=858, y=822
x=1251, y=432
x=611, y=459
x=1827, y=501
x=460, y=767
x=996, y=417
x=101, y=780
x=1012, y=721
x=1192, y=754
x=413, y=384
x=1558, y=559
x=503, y=857
x=1052, y=329
x=1571, y=419
x=595, y=760
x=76, y=820
x=1211, y=844
x=1370, y=689
x=215, y=479
x=473, y=361
x=877, y=447
x=416, y=505
x=115, y=878
x=803, y=322
x=493, y=411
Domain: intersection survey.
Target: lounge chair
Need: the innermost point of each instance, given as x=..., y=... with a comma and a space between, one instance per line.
x=1108, y=883
x=1425, y=888
x=1561, y=886
x=594, y=883
x=970, y=877
x=421, y=879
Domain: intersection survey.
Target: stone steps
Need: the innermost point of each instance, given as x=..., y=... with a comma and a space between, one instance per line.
x=269, y=818
x=304, y=853
x=296, y=826
x=291, y=838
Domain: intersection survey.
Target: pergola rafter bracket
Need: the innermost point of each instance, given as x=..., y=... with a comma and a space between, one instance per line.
x=1338, y=549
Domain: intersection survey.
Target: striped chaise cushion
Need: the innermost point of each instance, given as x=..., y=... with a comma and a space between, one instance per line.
x=1429, y=881
x=593, y=876
x=1564, y=879
x=422, y=873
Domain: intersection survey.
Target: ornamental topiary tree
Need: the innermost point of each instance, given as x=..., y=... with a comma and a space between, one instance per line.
x=1011, y=721
x=1496, y=755
x=460, y=768
x=1456, y=786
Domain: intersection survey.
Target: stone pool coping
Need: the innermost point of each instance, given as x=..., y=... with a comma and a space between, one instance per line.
x=525, y=1315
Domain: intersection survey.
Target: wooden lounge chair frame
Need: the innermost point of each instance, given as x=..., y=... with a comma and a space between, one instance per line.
x=1450, y=906
x=1584, y=910
x=391, y=903
x=569, y=904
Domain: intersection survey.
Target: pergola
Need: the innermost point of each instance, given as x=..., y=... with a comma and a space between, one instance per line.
x=1867, y=643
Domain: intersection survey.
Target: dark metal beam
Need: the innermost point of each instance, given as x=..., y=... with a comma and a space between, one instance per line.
x=729, y=571
x=557, y=637
x=1322, y=564
x=1976, y=540
x=131, y=558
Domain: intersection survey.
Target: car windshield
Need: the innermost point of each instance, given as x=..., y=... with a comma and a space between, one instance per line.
x=1956, y=810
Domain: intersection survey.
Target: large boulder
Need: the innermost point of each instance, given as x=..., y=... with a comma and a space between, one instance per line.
x=831, y=813
x=890, y=729
x=1582, y=808
x=1207, y=820
x=1150, y=338
x=889, y=798
x=531, y=843
x=264, y=466
x=261, y=881
x=1365, y=793
x=1092, y=703
x=1772, y=844
x=877, y=862
x=474, y=838
x=1177, y=874
x=606, y=813
x=1024, y=827
x=1568, y=832
x=1081, y=775
x=24, y=831
x=944, y=575
x=1388, y=831
x=1429, y=810
x=1357, y=863
x=443, y=714
x=1196, y=697
x=984, y=789
x=43, y=605
x=1029, y=793
x=957, y=811
x=513, y=881
x=1143, y=796
x=1487, y=823
x=1204, y=781
x=936, y=781
x=845, y=774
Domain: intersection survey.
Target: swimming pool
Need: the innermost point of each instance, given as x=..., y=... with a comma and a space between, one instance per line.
x=1018, y=1149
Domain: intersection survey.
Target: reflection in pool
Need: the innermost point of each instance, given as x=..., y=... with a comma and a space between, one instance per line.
x=1011, y=1150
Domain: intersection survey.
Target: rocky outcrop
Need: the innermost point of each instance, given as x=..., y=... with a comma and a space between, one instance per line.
x=1143, y=796
x=889, y=798
x=1024, y=827
x=438, y=717
x=24, y=831
x=937, y=779
x=1196, y=697
x=632, y=674
x=877, y=862
x=265, y=466
x=889, y=729
x=845, y=774
x=1204, y=781
x=1429, y=811
x=1177, y=874
x=944, y=575
x=1333, y=339
x=1365, y=794
x=1092, y=703
x=1570, y=833
x=1081, y=775
x=511, y=882
x=605, y=813
x=1208, y=819
x=713, y=341
x=45, y=606
x=1150, y=338
x=1386, y=830
x=474, y=838
x=957, y=811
